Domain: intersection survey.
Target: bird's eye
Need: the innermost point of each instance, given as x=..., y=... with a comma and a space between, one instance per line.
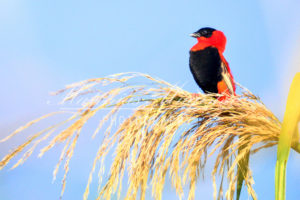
x=204, y=32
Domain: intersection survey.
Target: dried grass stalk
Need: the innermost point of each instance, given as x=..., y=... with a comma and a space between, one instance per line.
x=170, y=133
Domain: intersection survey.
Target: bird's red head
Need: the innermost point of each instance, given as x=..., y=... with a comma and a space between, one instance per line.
x=209, y=37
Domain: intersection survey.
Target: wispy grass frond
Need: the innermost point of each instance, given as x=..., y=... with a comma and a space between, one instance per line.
x=169, y=133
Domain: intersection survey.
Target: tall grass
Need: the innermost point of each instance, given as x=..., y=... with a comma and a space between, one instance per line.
x=289, y=133
x=170, y=133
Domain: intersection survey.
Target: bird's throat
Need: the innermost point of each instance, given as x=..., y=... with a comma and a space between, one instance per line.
x=201, y=45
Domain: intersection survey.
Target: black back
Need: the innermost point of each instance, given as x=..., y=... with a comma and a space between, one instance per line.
x=205, y=66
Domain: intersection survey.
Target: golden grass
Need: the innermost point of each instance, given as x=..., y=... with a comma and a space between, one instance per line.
x=170, y=133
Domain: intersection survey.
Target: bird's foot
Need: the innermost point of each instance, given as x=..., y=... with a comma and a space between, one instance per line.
x=195, y=95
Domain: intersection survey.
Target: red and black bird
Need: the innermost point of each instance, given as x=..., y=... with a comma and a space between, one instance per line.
x=208, y=65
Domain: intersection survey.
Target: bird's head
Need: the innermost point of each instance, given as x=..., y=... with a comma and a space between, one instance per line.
x=209, y=37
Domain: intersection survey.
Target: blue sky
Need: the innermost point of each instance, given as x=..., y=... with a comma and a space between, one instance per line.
x=46, y=45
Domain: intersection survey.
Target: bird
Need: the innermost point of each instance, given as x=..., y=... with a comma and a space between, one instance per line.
x=208, y=65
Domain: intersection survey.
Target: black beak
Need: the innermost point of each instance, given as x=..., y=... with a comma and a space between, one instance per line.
x=195, y=35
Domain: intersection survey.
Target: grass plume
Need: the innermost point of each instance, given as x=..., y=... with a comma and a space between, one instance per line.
x=169, y=133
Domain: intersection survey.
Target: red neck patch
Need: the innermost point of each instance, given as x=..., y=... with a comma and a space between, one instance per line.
x=217, y=40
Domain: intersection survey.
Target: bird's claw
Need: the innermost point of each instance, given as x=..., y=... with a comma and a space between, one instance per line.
x=195, y=95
